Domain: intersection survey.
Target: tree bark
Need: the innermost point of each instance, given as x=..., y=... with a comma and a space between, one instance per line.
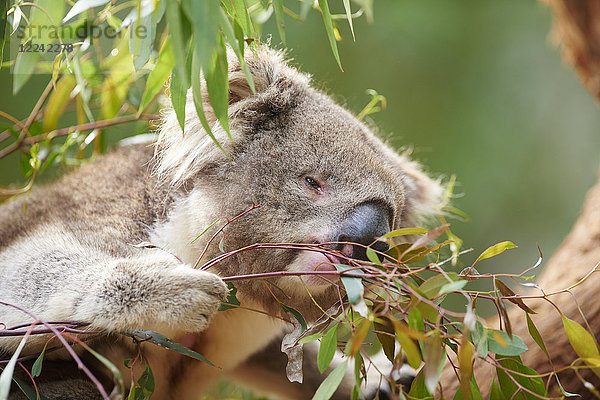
x=577, y=31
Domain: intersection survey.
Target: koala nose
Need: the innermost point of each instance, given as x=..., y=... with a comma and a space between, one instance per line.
x=366, y=222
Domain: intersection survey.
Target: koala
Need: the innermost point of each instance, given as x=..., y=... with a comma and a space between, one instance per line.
x=114, y=244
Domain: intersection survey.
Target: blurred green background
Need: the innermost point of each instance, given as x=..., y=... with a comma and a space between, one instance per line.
x=476, y=89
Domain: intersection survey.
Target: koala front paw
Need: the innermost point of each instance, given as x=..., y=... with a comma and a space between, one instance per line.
x=157, y=295
x=195, y=297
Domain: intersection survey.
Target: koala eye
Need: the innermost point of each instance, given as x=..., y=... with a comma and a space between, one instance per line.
x=313, y=183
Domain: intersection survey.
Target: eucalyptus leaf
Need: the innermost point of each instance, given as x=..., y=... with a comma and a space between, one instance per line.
x=331, y=383
x=329, y=28
x=163, y=341
x=327, y=349
x=159, y=75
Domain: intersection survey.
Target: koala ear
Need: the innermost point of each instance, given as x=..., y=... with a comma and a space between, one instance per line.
x=181, y=155
x=277, y=85
x=423, y=195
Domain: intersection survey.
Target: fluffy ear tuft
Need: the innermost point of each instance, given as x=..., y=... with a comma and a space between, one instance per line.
x=424, y=195
x=179, y=155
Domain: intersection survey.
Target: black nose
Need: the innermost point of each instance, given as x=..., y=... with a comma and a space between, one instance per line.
x=366, y=222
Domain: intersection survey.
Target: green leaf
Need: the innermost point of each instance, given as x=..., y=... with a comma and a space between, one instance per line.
x=141, y=38
x=495, y=392
x=331, y=383
x=36, y=369
x=418, y=389
x=237, y=44
x=431, y=288
x=197, y=95
x=475, y=394
x=231, y=301
x=354, y=287
x=3, y=11
x=385, y=334
x=435, y=357
x=452, y=287
x=146, y=383
x=57, y=102
x=327, y=349
x=535, y=334
x=241, y=11
x=495, y=250
x=9, y=369
x=499, y=342
x=480, y=339
x=205, y=25
x=582, y=341
x=163, y=341
x=372, y=256
x=306, y=6
x=278, y=6
x=413, y=355
x=217, y=84
x=81, y=6
x=310, y=338
x=159, y=75
x=404, y=232
x=349, y=17
x=178, y=42
x=28, y=390
x=358, y=337
x=508, y=387
x=296, y=315
x=507, y=292
x=110, y=366
x=48, y=14
x=178, y=100
x=329, y=28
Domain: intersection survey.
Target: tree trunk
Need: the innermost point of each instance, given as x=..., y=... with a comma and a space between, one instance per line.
x=577, y=31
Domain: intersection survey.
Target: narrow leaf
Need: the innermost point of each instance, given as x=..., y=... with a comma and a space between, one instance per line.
x=163, y=341
x=354, y=287
x=413, y=355
x=57, y=102
x=582, y=341
x=217, y=84
x=349, y=17
x=241, y=11
x=435, y=357
x=9, y=369
x=296, y=315
x=535, y=334
x=404, y=232
x=499, y=342
x=178, y=100
x=232, y=300
x=507, y=292
x=385, y=334
x=36, y=369
x=331, y=383
x=278, y=6
x=358, y=337
x=329, y=28
x=327, y=349
x=372, y=256
x=465, y=363
x=159, y=75
x=495, y=250
x=178, y=42
x=81, y=6
x=197, y=95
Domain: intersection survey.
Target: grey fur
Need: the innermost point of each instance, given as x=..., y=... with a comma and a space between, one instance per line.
x=72, y=254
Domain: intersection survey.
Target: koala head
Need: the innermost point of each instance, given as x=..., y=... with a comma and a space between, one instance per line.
x=317, y=173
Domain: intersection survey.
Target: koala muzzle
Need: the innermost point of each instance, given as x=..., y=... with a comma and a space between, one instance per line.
x=365, y=223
